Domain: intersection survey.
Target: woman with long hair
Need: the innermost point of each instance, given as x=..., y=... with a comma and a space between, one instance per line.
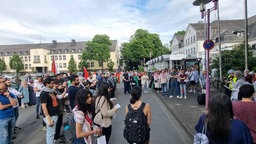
x=25, y=92
x=104, y=109
x=220, y=125
x=83, y=117
x=136, y=103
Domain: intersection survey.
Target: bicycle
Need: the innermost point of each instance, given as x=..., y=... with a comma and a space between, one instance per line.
x=219, y=84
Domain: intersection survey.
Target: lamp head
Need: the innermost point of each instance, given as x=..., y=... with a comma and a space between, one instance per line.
x=198, y=2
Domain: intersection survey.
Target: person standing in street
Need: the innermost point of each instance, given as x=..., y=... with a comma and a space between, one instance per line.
x=7, y=119
x=38, y=86
x=137, y=104
x=73, y=89
x=126, y=80
x=219, y=124
x=104, y=110
x=50, y=109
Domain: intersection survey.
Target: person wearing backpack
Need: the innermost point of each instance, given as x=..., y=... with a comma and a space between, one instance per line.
x=83, y=118
x=138, y=119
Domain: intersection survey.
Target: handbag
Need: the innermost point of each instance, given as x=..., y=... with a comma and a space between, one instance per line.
x=201, y=138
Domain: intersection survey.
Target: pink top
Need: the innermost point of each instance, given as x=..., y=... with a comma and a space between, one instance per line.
x=246, y=112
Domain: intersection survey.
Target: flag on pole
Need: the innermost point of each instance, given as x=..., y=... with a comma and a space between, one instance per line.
x=86, y=74
x=54, y=68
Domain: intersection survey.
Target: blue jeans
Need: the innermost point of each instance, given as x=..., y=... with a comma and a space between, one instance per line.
x=184, y=91
x=38, y=104
x=174, y=86
x=164, y=88
x=6, y=129
x=16, y=114
x=50, y=131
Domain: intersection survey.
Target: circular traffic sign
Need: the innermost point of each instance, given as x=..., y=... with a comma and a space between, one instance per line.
x=208, y=44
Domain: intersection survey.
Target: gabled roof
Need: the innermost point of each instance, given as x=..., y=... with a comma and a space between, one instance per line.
x=197, y=26
x=63, y=47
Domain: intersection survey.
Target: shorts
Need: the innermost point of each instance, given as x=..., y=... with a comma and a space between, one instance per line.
x=192, y=82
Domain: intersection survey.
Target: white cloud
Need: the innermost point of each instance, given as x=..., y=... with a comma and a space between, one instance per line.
x=31, y=21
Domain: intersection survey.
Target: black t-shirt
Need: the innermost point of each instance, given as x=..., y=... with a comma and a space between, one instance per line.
x=126, y=77
x=51, y=103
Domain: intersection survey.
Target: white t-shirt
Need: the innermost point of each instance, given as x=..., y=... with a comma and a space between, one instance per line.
x=40, y=87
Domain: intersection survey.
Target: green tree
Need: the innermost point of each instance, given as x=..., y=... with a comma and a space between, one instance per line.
x=16, y=64
x=82, y=64
x=110, y=65
x=98, y=49
x=2, y=66
x=72, y=65
x=234, y=59
x=141, y=44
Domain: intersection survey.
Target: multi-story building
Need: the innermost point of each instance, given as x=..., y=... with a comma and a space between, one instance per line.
x=38, y=57
x=231, y=34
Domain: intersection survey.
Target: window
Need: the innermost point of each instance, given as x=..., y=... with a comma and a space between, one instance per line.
x=59, y=51
x=60, y=57
x=60, y=65
x=45, y=59
x=56, y=57
x=64, y=65
x=65, y=50
x=26, y=66
x=191, y=51
x=194, y=39
x=36, y=59
x=79, y=56
x=26, y=58
x=14, y=53
x=29, y=66
x=20, y=52
x=194, y=50
x=88, y=64
x=29, y=58
x=100, y=64
x=6, y=53
x=52, y=57
x=92, y=64
x=64, y=57
x=79, y=50
x=1, y=53
x=73, y=50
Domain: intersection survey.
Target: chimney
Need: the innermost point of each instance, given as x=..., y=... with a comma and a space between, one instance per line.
x=73, y=43
x=54, y=43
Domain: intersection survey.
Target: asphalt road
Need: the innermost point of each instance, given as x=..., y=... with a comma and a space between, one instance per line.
x=164, y=128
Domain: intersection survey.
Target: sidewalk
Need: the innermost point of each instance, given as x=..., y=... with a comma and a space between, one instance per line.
x=187, y=111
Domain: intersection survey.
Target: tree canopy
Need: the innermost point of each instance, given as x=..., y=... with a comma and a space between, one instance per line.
x=72, y=65
x=98, y=49
x=2, y=66
x=140, y=46
x=16, y=63
x=235, y=59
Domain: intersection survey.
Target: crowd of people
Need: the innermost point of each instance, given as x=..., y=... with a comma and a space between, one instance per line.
x=86, y=97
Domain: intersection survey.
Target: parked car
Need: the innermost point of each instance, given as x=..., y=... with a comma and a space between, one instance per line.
x=9, y=76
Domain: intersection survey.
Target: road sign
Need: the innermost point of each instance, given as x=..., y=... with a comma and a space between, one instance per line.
x=208, y=44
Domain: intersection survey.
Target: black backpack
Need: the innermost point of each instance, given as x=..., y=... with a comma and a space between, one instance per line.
x=136, y=126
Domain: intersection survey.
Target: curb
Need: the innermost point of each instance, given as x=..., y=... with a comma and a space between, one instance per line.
x=175, y=114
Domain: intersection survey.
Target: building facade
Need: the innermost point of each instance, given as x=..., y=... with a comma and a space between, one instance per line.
x=38, y=57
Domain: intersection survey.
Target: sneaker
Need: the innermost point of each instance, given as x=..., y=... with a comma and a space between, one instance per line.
x=58, y=141
x=181, y=97
x=37, y=116
x=170, y=96
x=185, y=97
x=44, y=128
x=190, y=90
x=178, y=96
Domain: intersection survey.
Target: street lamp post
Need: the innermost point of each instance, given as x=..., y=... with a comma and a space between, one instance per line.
x=202, y=4
x=246, y=36
x=150, y=61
